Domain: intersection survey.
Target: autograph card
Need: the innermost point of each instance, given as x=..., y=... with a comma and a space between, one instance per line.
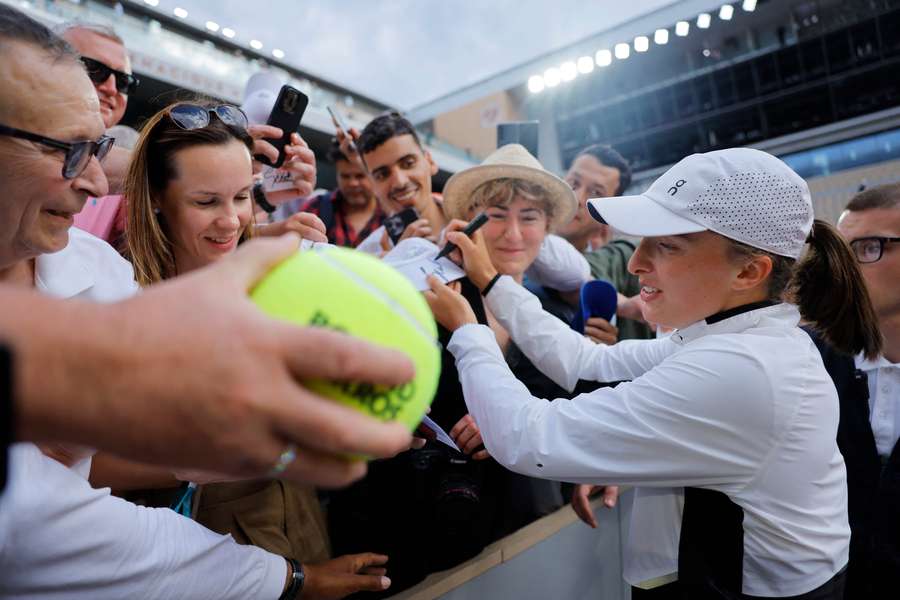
x=414, y=258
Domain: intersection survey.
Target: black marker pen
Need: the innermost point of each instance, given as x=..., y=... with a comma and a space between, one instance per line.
x=471, y=228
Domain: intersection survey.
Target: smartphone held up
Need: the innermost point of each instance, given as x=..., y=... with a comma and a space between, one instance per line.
x=286, y=115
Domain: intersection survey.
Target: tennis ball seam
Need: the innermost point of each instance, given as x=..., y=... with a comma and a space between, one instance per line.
x=393, y=304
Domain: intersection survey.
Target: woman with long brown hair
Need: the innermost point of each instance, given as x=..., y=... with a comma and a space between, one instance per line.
x=188, y=193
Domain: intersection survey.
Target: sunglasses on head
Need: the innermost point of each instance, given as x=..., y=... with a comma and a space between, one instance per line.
x=78, y=154
x=194, y=116
x=99, y=72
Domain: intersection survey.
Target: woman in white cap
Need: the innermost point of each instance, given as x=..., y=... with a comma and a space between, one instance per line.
x=735, y=406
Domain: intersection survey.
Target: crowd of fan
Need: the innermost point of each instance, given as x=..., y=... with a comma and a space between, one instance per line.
x=178, y=203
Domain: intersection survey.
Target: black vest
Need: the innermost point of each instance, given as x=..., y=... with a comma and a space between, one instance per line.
x=711, y=547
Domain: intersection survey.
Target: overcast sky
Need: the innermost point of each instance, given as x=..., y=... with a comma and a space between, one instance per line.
x=407, y=52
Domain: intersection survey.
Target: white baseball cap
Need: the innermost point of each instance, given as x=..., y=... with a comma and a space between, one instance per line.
x=743, y=194
x=260, y=94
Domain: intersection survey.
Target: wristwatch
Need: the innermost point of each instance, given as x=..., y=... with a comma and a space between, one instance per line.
x=259, y=196
x=295, y=587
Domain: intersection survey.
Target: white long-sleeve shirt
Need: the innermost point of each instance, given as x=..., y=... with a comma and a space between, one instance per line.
x=559, y=265
x=60, y=539
x=742, y=406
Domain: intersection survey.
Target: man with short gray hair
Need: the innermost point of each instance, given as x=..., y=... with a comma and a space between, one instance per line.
x=108, y=65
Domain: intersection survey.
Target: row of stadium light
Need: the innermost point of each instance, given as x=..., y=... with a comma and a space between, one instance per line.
x=214, y=27
x=571, y=69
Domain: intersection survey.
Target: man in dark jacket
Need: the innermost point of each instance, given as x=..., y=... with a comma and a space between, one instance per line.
x=869, y=394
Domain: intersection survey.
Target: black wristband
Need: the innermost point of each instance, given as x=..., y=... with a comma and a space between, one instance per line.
x=298, y=577
x=490, y=284
x=259, y=196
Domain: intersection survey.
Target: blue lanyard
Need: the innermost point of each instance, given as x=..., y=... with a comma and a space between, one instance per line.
x=182, y=505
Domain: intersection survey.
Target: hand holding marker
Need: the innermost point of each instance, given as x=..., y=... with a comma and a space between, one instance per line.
x=471, y=228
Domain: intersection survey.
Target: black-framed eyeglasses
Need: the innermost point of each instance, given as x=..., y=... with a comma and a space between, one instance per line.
x=194, y=116
x=99, y=72
x=871, y=249
x=78, y=154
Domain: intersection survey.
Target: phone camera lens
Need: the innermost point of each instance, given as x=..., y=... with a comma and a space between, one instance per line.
x=289, y=103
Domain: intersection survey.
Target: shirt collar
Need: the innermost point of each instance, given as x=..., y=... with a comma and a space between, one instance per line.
x=63, y=274
x=739, y=319
x=864, y=364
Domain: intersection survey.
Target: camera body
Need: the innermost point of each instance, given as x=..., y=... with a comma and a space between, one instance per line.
x=449, y=488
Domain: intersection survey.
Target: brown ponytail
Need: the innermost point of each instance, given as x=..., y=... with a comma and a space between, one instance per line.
x=831, y=294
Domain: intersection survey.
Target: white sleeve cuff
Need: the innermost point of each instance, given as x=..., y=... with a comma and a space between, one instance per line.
x=274, y=576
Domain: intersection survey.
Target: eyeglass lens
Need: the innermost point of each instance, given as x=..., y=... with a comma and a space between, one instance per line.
x=868, y=250
x=80, y=154
x=99, y=72
x=231, y=115
x=191, y=116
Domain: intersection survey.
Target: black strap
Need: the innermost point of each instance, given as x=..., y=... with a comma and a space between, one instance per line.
x=259, y=196
x=737, y=310
x=298, y=577
x=326, y=209
x=490, y=284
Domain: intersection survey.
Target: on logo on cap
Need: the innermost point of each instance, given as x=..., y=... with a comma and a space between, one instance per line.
x=674, y=189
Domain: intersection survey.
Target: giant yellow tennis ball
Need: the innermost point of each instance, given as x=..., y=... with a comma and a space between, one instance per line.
x=353, y=292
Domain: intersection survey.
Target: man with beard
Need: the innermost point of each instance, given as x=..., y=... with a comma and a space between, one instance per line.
x=600, y=172
x=400, y=169
x=350, y=212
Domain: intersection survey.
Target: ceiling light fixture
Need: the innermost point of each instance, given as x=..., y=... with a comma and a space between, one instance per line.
x=552, y=77
x=585, y=64
x=603, y=58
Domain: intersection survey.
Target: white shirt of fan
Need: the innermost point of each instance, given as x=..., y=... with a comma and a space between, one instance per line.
x=59, y=537
x=884, y=401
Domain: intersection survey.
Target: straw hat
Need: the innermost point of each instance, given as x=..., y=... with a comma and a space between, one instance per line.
x=510, y=161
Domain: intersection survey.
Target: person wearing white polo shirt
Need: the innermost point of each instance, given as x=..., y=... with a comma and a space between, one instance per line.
x=869, y=433
x=735, y=406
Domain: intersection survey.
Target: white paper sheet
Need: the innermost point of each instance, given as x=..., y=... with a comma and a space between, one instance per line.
x=414, y=258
